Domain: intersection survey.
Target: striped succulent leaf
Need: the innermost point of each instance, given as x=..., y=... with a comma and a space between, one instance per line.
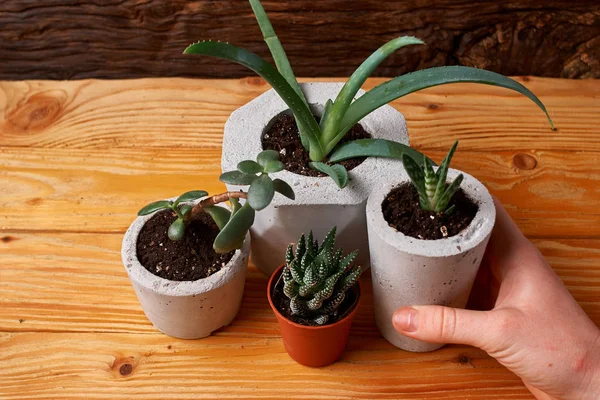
x=316, y=278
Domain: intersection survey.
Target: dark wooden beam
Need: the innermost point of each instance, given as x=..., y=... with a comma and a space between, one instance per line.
x=75, y=39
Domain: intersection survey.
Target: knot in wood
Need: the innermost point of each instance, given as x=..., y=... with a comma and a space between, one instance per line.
x=524, y=161
x=35, y=113
x=126, y=369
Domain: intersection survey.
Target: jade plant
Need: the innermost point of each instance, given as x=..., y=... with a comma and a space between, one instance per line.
x=233, y=224
x=320, y=139
x=317, y=278
x=434, y=193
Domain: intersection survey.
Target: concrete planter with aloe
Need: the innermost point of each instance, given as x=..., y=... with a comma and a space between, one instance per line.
x=323, y=139
x=187, y=257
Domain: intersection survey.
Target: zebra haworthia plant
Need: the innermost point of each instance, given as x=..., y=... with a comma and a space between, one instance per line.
x=317, y=278
x=234, y=224
x=434, y=193
x=320, y=139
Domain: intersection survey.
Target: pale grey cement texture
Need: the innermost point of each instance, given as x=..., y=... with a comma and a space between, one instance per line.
x=319, y=203
x=187, y=309
x=408, y=271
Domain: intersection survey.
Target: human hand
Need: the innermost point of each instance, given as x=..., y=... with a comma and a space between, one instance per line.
x=532, y=325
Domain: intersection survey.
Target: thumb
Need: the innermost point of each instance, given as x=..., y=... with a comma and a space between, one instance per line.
x=439, y=324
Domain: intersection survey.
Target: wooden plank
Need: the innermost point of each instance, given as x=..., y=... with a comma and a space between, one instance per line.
x=129, y=38
x=101, y=366
x=81, y=190
x=184, y=113
x=63, y=282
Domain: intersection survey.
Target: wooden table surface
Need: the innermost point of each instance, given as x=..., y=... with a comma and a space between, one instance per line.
x=79, y=158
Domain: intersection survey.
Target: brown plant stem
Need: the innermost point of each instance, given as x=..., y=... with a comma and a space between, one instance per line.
x=212, y=200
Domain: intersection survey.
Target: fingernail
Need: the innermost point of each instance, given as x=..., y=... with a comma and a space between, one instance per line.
x=406, y=319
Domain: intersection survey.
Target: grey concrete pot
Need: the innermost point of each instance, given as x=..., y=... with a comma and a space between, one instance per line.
x=188, y=309
x=319, y=203
x=408, y=271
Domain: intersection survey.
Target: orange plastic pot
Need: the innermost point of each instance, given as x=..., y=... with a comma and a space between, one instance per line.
x=313, y=346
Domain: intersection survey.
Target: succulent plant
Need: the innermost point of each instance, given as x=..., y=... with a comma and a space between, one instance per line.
x=434, y=193
x=234, y=224
x=321, y=139
x=317, y=278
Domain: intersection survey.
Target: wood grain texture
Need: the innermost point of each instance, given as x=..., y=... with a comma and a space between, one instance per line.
x=77, y=159
x=75, y=39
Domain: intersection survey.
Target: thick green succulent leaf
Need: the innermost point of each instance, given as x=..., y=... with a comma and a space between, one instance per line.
x=431, y=182
x=237, y=178
x=176, y=229
x=332, y=304
x=220, y=215
x=190, y=196
x=298, y=306
x=442, y=173
x=234, y=232
x=337, y=172
x=152, y=207
x=185, y=209
x=310, y=247
x=249, y=167
x=321, y=319
x=306, y=122
x=300, y=247
x=283, y=188
x=418, y=80
x=273, y=166
x=350, y=279
x=356, y=80
x=296, y=271
x=310, y=275
x=235, y=205
x=346, y=261
x=266, y=156
x=374, y=148
x=447, y=196
x=329, y=241
x=416, y=175
x=289, y=255
x=287, y=275
x=261, y=192
x=290, y=289
x=328, y=105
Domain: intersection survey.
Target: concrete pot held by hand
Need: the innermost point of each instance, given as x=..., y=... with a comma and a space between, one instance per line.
x=319, y=203
x=186, y=309
x=408, y=271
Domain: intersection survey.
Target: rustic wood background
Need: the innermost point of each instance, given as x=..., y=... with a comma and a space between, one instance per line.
x=76, y=39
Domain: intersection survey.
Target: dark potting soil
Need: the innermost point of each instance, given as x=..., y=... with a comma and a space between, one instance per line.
x=283, y=137
x=402, y=211
x=188, y=259
x=282, y=303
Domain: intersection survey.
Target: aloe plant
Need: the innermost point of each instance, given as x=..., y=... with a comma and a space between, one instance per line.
x=234, y=224
x=317, y=278
x=434, y=192
x=321, y=139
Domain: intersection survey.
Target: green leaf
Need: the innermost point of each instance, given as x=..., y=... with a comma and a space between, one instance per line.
x=190, y=196
x=261, y=192
x=234, y=232
x=304, y=118
x=447, y=196
x=235, y=204
x=283, y=188
x=152, y=207
x=267, y=156
x=273, y=166
x=237, y=178
x=417, y=177
x=185, y=209
x=220, y=215
x=442, y=174
x=374, y=148
x=353, y=84
x=249, y=167
x=176, y=230
x=328, y=105
x=337, y=172
x=415, y=81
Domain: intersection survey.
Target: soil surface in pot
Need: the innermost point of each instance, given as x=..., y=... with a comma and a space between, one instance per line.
x=402, y=211
x=282, y=303
x=188, y=259
x=283, y=137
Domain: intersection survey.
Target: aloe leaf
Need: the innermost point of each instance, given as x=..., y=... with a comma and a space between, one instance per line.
x=447, y=196
x=283, y=188
x=415, y=173
x=234, y=232
x=176, y=229
x=235, y=205
x=219, y=214
x=190, y=196
x=415, y=81
x=442, y=173
x=249, y=167
x=261, y=192
x=337, y=172
x=353, y=84
x=152, y=207
x=374, y=148
x=304, y=118
x=273, y=166
x=328, y=105
x=237, y=178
